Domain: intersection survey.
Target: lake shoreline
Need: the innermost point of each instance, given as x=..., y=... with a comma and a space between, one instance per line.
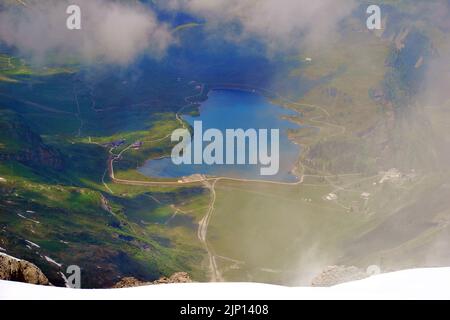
x=272, y=116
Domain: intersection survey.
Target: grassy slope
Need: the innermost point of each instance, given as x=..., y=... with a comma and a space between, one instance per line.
x=143, y=233
x=273, y=234
x=282, y=234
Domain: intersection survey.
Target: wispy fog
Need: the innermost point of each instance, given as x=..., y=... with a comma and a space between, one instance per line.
x=115, y=32
x=280, y=24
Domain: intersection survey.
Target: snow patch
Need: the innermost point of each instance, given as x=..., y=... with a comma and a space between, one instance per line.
x=430, y=283
x=52, y=261
x=32, y=243
x=26, y=218
x=66, y=281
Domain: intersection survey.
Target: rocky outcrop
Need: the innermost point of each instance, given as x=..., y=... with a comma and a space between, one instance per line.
x=14, y=269
x=334, y=275
x=178, y=277
x=41, y=155
x=19, y=143
x=129, y=282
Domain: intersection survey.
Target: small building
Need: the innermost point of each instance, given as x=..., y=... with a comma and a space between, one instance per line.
x=365, y=195
x=116, y=143
x=137, y=145
x=331, y=197
x=194, y=178
x=391, y=174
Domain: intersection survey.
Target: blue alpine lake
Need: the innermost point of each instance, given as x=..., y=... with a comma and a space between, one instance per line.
x=235, y=109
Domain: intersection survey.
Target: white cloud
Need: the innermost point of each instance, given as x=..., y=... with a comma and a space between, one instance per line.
x=115, y=32
x=284, y=23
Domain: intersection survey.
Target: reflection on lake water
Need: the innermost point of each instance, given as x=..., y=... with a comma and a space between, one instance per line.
x=233, y=109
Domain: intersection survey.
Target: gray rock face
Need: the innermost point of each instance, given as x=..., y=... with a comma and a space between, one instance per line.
x=334, y=275
x=14, y=269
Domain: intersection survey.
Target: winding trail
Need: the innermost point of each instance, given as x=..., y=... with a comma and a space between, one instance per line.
x=203, y=229
x=78, y=113
x=210, y=181
x=37, y=105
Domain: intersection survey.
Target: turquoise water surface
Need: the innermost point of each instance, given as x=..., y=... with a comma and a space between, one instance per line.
x=233, y=109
